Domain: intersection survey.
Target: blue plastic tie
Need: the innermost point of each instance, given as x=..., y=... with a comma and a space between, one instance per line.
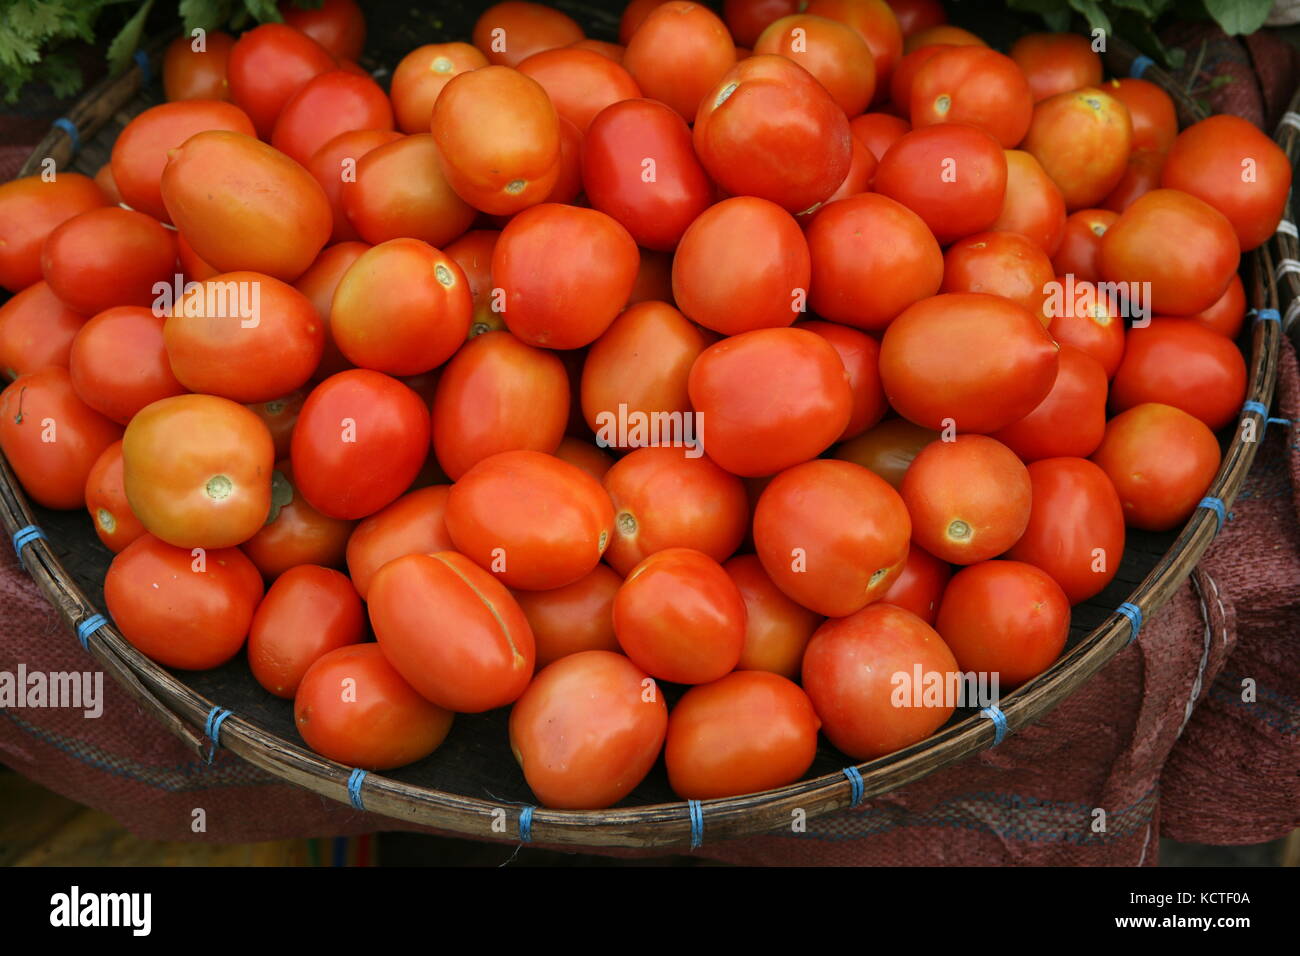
x=146, y=69
x=1134, y=615
x=212, y=729
x=354, y=788
x=1259, y=408
x=697, y=823
x=1140, y=66
x=526, y=824
x=856, y=785
x=1280, y=421
x=88, y=627
x=70, y=128
x=1267, y=315
x=999, y=723
x=23, y=537
x=1215, y=505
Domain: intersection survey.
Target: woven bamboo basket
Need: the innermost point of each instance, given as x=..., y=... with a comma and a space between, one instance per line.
x=471, y=785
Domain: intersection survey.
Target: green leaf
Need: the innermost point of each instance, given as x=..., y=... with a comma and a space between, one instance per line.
x=1092, y=12
x=1239, y=17
x=264, y=11
x=128, y=40
x=63, y=74
x=204, y=15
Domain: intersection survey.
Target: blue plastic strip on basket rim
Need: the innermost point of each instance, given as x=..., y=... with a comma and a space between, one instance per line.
x=23, y=537
x=1216, y=505
x=1280, y=421
x=146, y=68
x=212, y=729
x=994, y=713
x=1134, y=615
x=1141, y=64
x=70, y=128
x=355, y=780
x=526, y=824
x=1259, y=408
x=88, y=627
x=697, y=823
x=857, y=787
x=1267, y=315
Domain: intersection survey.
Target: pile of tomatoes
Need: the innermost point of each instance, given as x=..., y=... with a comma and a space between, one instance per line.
x=774, y=372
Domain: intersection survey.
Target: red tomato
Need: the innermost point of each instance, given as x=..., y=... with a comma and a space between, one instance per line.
x=860, y=354
x=969, y=498
x=752, y=432
x=916, y=15
x=878, y=131
x=654, y=278
x=119, y=364
x=638, y=165
x=1180, y=363
x=329, y=104
x=1071, y=420
x=413, y=524
x=197, y=74
x=1079, y=253
x=184, y=610
x=192, y=267
x=953, y=176
x=748, y=732
x=1033, y=205
x=30, y=209
x=319, y=284
x=51, y=437
x=832, y=535
x=563, y=302
x=452, y=630
x=377, y=721
x=335, y=165
x=588, y=730
x=269, y=64
x=1085, y=318
x=872, y=257
x=575, y=618
x=1151, y=110
x=862, y=170
x=776, y=628
x=1076, y=526
x=887, y=449
x=942, y=34
x=926, y=367
x=36, y=330
x=920, y=587
x=1000, y=263
x=1056, y=62
x=360, y=441
x=746, y=19
x=854, y=672
x=769, y=129
x=108, y=257
x=308, y=612
x=612, y=50
x=1224, y=317
x=678, y=54
x=586, y=456
x=1140, y=177
x=976, y=86
x=399, y=192
x=1082, y=139
x=295, y=533
x=579, y=82
x=420, y=77
x=568, y=184
x=337, y=25
x=473, y=253
x=1161, y=461
x=509, y=33
x=834, y=53
x=900, y=84
x=742, y=265
x=679, y=617
x=115, y=522
x=875, y=23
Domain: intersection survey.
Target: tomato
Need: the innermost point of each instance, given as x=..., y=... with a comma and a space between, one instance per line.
x=969, y=498
x=927, y=369
x=916, y=15
x=181, y=609
x=269, y=64
x=678, y=54
x=920, y=587
x=769, y=129
x=337, y=25
x=1224, y=317
x=953, y=176
x=563, y=302
x=942, y=34
x=1082, y=139
x=377, y=721
x=244, y=336
x=1136, y=249
x=36, y=330
x=402, y=308
x=498, y=138
x=1033, y=205
x=679, y=617
x=1079, y=253
x=473, y=253
x=580, y=83
x=1140, y=177
x=319, y=284
x=1227, y=162
x=654, y=278
x=872, y=257
x=875, y=23
x=509, y=33
x=776, y=628
x=860, y=354
x=1161, y=461
x=568, y=183
x=421, y=76
x=742, y=265
x=532, y=520
x=51, y=437
x=1151, y=110
x=1180, y=363
x=887, y=449
x=325, y=106
x=1056, y=63
x=295, y=533
x=1004, y=618
x=1000, y=263
x=119, y=365
x=642, y=362
x=497, y=394
x=832, y=535
x=748, y=732
x=413, y=524
x=452, y=630
x=115, y=522
x=586, y=456
x=308, y=612
x=575, y=618
x=244, y=205
x=1071, y=420
x=335, y=165
x=853, y=672
x=751, y=431
x=191, y=73
x=1084, y=317
x=664, y=499
x=30, y=209
x=862, y=170
x=107, y=257
x=747, y=19
x=1076, y=526
x=193, y=268
x=613, y=51
x=878, y=131
x=140, y=151
x=638, y=165
x=972, y=85
x=588, y=730
x=835, y=54
x=104, y=180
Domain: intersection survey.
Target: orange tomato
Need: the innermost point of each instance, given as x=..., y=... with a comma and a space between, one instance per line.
x=972, y=85
x=1180, y=363
x=919, y=588
x=269, y=64
x=1071, y=420
x=1082, y=139
x=190, y=74
x=36, y=330
x=30, y=209
x=575, y=618
x=833, y=52
x=318, y=284
x=1151, y=110
x=580, y=83
x=295, y=533
x=1000, y=263
x=887, y=449
x=509, y=33
x=335, y=166
x=421, y=75
x=679, y=52
x=108, y=257
x=308, y=612
x=413, y=524
x=1056, y=63
x=1089, y=321
x=399, y=193
x=115, y=522
x=1079, y=253
x=777, y=629
x=1033, y=205
x=860, y=354
x=118, y=363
